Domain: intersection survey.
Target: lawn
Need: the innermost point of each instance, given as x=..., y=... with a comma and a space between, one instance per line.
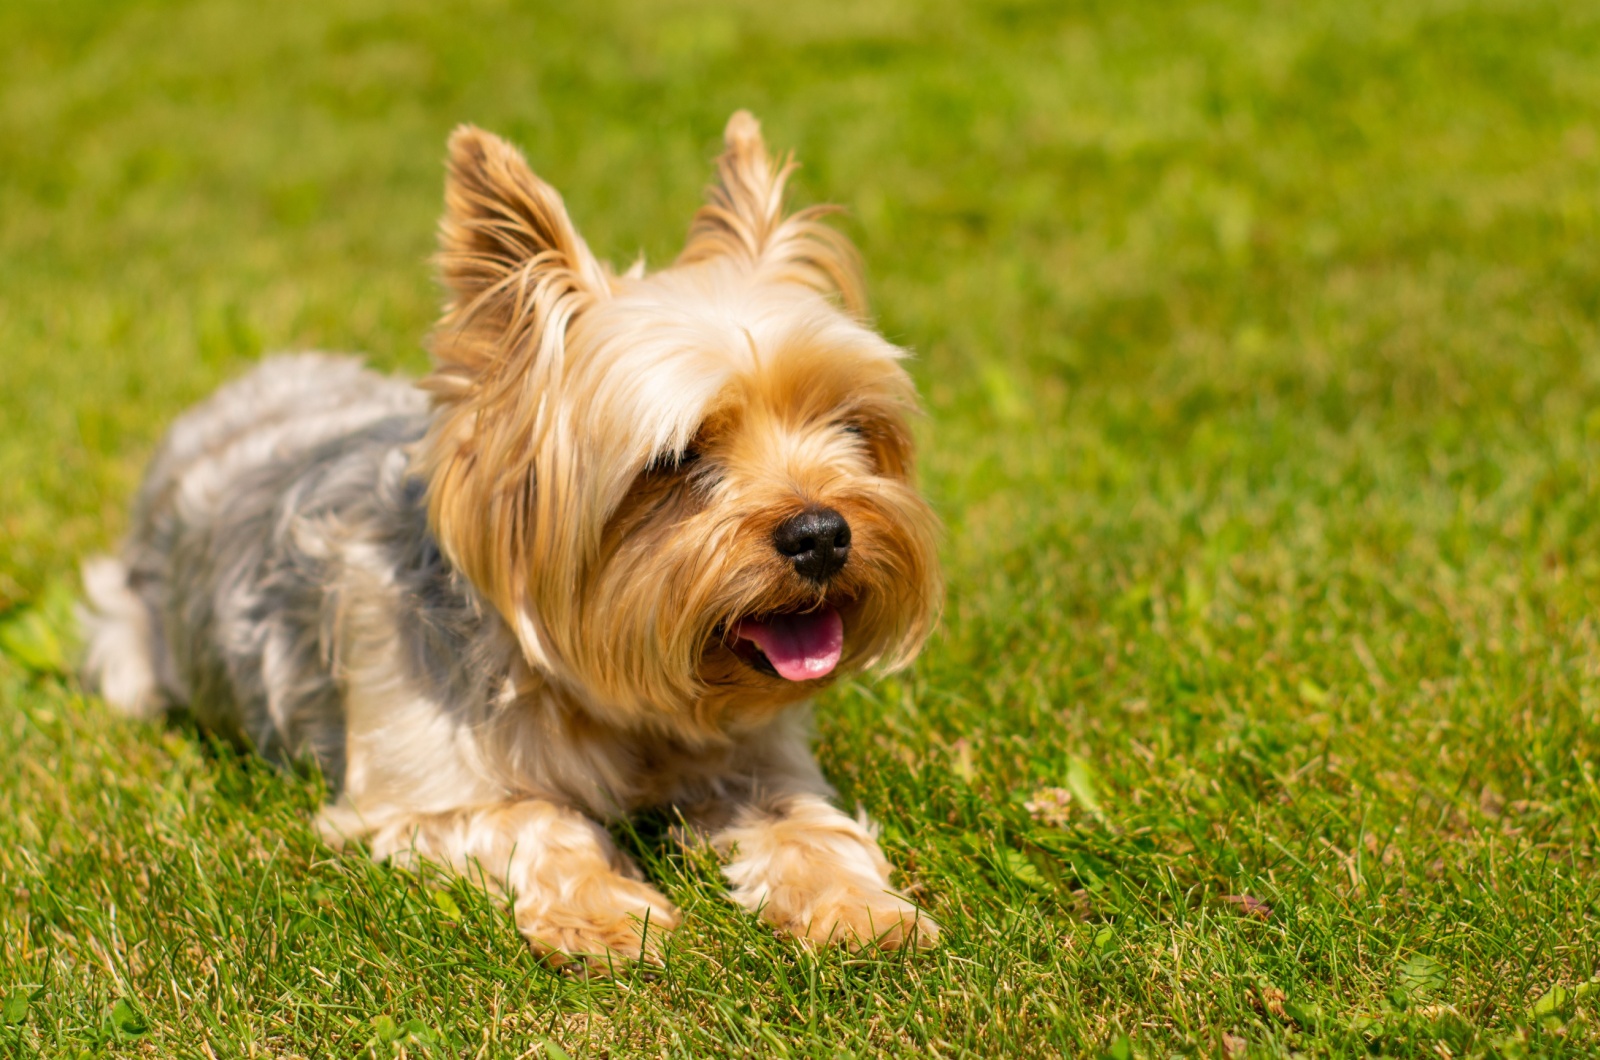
x=1260, y=344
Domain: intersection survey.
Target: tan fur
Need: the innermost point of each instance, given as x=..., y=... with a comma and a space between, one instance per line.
x=574, y=894
x=818, y=875
x=566, y=396
x=558, y=383
x=606, y=459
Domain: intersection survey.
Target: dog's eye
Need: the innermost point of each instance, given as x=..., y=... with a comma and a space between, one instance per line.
x=670, y=461
x=856, y=429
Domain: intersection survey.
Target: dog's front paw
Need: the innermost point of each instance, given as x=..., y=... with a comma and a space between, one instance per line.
x=600, y=928
x=858, y=919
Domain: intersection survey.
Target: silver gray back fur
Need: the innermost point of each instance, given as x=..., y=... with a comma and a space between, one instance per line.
x=250, y=504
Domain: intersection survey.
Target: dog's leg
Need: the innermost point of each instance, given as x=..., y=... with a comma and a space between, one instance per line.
x=575, y=895
x=817, y=874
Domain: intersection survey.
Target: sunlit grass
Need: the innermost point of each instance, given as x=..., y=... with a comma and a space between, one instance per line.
x=1261, y=349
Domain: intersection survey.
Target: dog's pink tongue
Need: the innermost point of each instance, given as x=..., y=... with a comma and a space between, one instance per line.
x=799, y=647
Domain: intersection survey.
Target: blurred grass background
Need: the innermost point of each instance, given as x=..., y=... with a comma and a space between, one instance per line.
x=1261, y=346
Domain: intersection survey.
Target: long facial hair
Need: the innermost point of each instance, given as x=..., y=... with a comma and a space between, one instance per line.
x=610, y=454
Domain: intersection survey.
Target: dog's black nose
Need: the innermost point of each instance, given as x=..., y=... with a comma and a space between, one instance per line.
x=817, y=542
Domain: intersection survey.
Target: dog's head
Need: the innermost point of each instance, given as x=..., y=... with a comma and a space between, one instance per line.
x=688, y=492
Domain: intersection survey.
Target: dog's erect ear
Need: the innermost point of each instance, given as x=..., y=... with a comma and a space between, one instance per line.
x=515, y=268
x=518, y=275
x=744, y=220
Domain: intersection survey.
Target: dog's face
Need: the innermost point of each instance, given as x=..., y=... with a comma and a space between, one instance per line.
x=687, y=492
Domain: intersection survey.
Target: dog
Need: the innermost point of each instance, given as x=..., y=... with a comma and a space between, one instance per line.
x=597, y=562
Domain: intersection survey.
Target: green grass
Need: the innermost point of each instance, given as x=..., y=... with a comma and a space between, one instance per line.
x=1261, y=349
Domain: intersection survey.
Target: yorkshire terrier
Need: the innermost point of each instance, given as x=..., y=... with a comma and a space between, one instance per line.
x=596, y=562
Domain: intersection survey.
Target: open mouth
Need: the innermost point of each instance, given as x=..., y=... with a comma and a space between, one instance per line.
x=797, y=647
